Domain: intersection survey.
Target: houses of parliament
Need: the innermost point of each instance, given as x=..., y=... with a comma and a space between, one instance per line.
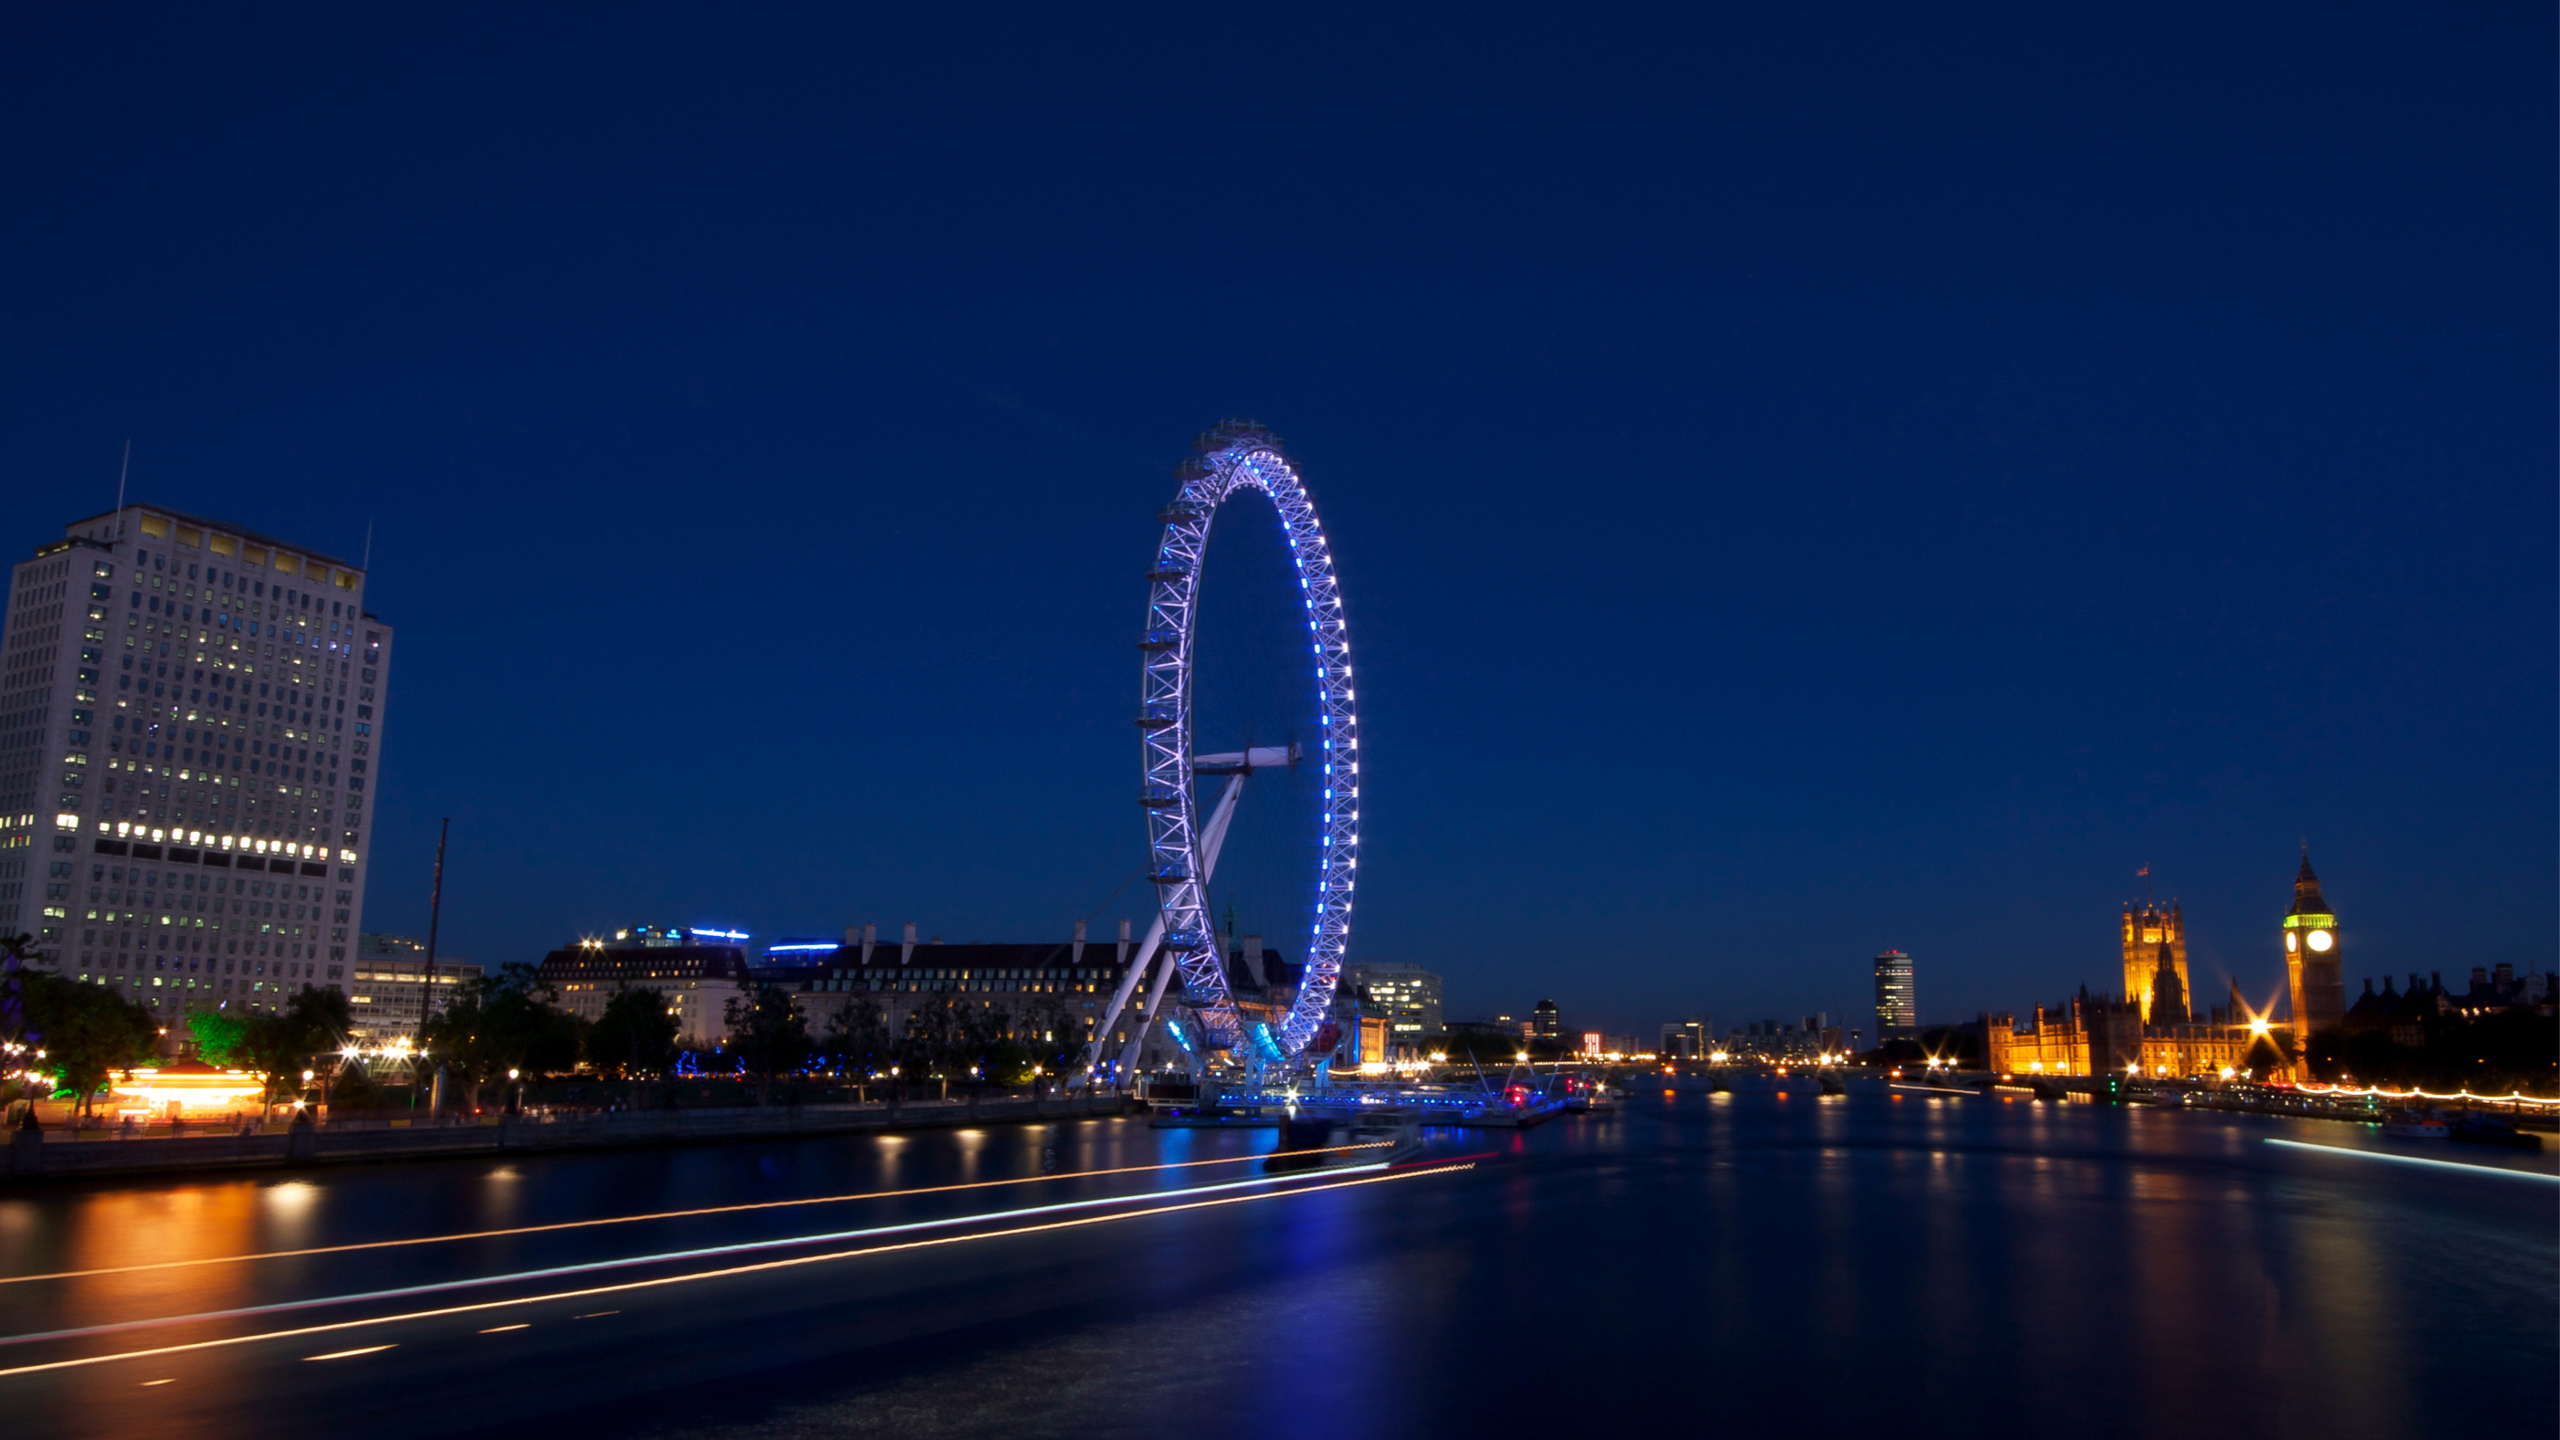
x=2156, y=1027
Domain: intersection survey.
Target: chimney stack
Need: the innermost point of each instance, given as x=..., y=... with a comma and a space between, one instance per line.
x=870, y=937
x=1077, y=956
x=1253, y=962
x=907, y=946
x=1124, y=944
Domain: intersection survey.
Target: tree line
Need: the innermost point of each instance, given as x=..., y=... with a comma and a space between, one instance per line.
x=510, y=1021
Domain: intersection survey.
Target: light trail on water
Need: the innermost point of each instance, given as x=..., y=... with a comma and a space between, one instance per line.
x=1081, y=1222
x=459, y=1236
x=667, y=1257
x=2417, y=1160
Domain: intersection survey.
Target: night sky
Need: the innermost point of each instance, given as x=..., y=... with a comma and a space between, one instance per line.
x=1806, y=479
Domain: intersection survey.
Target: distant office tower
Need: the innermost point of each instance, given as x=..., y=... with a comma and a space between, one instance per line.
x=394, y=990
x=1690, y=1039
x=190, y=719
x=1897, y=1002
x=1407, y=997
x=2311, y=957
x=2147, y=930
x=1545, y=1021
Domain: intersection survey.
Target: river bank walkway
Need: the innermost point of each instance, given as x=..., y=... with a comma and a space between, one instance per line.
x=64, y=1153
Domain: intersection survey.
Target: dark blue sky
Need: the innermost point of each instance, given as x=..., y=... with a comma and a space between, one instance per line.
x=1806, y=479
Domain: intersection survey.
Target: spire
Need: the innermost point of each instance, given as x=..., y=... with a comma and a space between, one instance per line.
x=2307, y=899
x=2168, y=997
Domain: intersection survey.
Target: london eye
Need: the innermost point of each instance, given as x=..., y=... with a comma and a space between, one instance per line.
x=1185, y=837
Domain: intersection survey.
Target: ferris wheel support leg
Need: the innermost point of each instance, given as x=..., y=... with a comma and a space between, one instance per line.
x=1213, y=836
x=1212, y=840
x=1120, y=999
x=1130, y=1053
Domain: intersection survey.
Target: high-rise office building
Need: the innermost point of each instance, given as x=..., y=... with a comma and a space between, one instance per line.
x=1897, y=1003
x=392, y=991
x=1690, y=1039
x=191, y=724
x=1407, y=997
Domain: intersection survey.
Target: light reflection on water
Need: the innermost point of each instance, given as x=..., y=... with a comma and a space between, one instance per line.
x=1868, y=1259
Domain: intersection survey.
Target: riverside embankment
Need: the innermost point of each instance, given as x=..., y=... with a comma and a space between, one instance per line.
x=63, y=1153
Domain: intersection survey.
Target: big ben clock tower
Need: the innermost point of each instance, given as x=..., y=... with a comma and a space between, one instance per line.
x=2311, y=957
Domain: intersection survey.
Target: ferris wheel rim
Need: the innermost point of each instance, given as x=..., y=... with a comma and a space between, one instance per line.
x=1235, y=456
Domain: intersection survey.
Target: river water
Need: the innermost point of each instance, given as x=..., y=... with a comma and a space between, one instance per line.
x=1772, y=1264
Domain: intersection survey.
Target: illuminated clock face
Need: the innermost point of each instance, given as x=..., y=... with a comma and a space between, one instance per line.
x=2292, y=941
x=2319, y=940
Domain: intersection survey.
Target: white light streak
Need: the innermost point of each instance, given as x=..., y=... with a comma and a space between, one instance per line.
x=761, y=1266
x=669, y=1257
x=2417, y=1160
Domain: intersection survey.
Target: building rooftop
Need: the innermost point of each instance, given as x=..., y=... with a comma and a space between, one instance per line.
x=255, y=537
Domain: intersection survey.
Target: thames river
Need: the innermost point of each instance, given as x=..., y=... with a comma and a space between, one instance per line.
x=1760, y=1264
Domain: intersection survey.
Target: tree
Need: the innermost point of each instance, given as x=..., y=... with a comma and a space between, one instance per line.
x=353, y=1089
x=218, y=1036
x=1479, y=1047
x=1053, y=1036
x=768, y=1035
x=934, y=1036
x=1009, y=1062
x=284, y=1043
x=86, y=1032
x=635, y=1037
x=13, y=1017
x=858, y=1036
x=2492, y=1055
x=986, y=1031
x=504, y=1022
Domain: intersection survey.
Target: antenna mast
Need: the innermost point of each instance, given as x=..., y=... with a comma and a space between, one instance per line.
x=435, y=914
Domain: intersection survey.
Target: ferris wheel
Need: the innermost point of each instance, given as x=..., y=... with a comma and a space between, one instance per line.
x=1235, y=456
